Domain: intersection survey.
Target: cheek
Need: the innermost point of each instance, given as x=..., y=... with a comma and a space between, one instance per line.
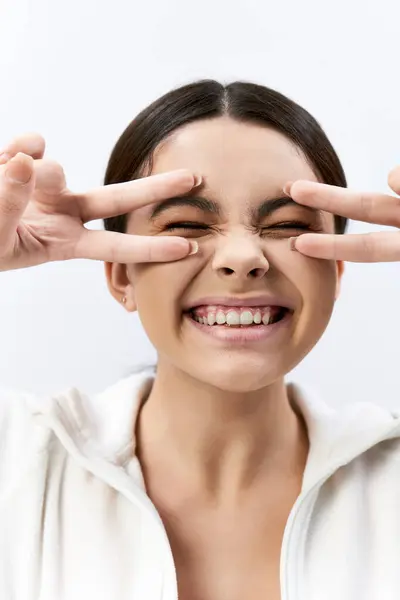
x=322, y=277
x=158, y=290
x=313, y=278
x=316, y=282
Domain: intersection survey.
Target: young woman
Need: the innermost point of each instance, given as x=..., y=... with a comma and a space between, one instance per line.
x=207, y=477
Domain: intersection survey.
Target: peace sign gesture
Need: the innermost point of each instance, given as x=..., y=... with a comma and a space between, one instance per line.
x=382, y=209
x=41, y=220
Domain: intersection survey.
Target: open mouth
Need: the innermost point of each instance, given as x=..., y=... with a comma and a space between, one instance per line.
x=213, y=316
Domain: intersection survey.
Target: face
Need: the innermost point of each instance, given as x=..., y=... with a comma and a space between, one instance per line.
x=242, y=222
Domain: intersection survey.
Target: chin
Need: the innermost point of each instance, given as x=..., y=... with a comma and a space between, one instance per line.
x=238, y=378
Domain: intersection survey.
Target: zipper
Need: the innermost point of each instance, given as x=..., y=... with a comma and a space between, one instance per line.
x=288, y=581
x=117, y=478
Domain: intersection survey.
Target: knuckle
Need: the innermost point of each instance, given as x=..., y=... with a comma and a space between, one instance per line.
x=147, y=252
x=120, y=201
x=367, y=205
x=113, y=252
x=369, y=246
x=115, y=248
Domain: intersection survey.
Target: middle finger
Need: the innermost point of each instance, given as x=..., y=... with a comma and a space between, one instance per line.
x=369, y=207
x=120, y=198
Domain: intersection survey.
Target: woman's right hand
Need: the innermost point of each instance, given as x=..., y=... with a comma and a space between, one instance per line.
x=41, y=220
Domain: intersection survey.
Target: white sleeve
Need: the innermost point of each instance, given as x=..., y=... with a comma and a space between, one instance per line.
x=18, y=436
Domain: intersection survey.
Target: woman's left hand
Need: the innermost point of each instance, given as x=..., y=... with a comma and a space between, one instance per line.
x=380, y=209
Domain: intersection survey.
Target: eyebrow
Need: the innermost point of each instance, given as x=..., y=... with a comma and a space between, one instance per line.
x=265, y=209
x=195, y=201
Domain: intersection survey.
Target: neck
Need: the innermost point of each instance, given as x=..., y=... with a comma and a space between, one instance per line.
x=219, y=443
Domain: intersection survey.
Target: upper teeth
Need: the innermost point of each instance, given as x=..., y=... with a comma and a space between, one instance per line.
x=212, y=315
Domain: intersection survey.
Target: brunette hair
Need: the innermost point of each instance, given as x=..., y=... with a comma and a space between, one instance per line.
x=207, y=99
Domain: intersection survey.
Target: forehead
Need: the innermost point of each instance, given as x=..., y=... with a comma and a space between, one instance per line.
x=233, y=157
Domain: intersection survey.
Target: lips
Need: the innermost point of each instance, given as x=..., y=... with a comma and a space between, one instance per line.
x=261, y=301
x=230, y=329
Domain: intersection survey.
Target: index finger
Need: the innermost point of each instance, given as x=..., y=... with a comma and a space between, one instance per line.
x=355, y=247
x=380, y=209
x=120, y=198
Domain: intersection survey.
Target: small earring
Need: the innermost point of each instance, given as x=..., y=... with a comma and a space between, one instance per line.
x=123, y=300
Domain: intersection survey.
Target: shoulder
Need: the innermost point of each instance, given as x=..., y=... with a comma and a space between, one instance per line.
x=22, y=436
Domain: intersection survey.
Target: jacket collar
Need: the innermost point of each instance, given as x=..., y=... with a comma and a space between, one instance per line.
x=107, y=421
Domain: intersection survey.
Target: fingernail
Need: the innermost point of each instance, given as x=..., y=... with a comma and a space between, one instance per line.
x=194, y=247
x=197, y=180
x=292, y=244
x=287, y=188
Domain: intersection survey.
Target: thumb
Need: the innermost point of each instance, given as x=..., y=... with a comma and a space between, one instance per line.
x=19, y=169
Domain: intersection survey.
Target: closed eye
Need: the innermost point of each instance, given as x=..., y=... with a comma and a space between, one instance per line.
x=186, y=225
x=291, y=225
x=288, y=226
x=279, y=230
x=192, y=225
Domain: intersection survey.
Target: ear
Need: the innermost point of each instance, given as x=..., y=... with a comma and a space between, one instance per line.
x=119, y=284
x=340, y=271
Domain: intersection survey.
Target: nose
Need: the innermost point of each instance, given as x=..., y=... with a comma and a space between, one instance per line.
x=240, y=257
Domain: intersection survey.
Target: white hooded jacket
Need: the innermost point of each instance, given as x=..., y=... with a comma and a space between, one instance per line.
x=76, y=522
